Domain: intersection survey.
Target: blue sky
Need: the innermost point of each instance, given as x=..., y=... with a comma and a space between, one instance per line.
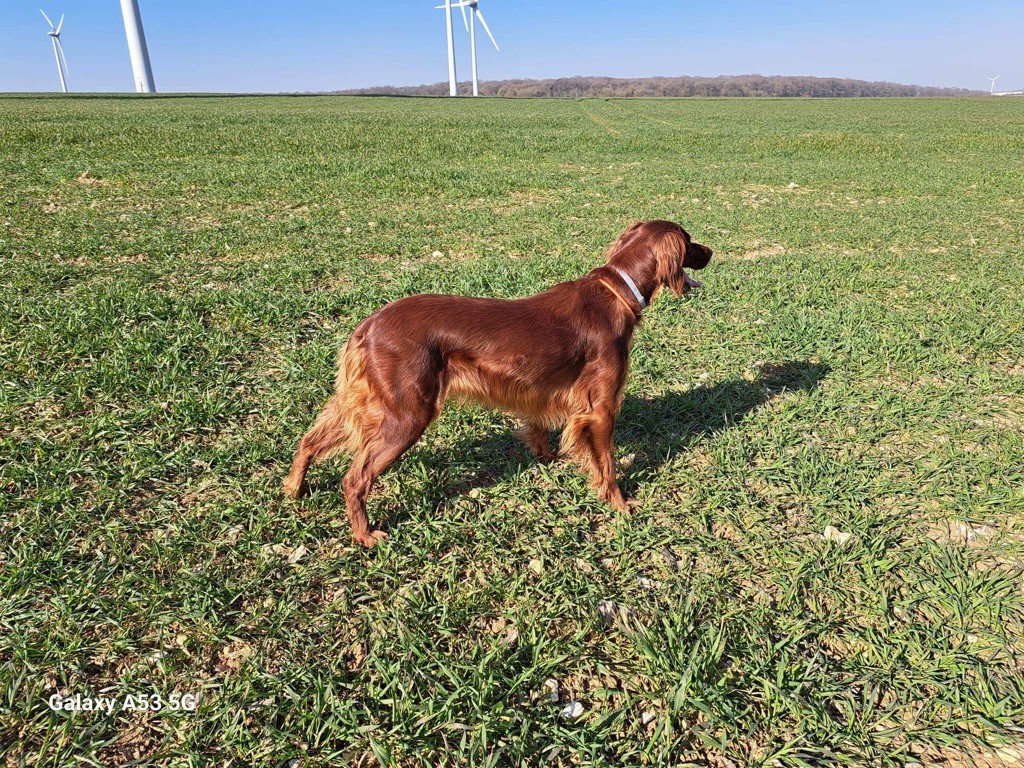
x=300, y=45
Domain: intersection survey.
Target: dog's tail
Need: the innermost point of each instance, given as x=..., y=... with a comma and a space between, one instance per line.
x=342, y=425
x=339, y=428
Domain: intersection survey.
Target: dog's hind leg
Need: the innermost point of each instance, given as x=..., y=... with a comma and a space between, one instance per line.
x=325, y=437
x=537, y=438
x=397, y=433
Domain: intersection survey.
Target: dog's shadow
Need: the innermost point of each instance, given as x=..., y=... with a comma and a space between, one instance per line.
x=652, y=428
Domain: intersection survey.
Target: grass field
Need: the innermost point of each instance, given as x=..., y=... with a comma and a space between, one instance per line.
x=176, y=275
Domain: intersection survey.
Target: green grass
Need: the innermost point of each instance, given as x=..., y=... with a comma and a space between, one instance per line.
x=168, y=327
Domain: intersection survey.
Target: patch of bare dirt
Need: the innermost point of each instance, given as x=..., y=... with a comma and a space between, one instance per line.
x=133, y=745
x=232, y=656
x=1007, y=756
x=959, y=532
x=760, y=250
x=92, y=181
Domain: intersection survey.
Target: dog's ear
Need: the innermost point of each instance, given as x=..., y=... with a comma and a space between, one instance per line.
x=670, y=255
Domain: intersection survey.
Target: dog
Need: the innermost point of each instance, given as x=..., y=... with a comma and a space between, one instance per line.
x=557, y=360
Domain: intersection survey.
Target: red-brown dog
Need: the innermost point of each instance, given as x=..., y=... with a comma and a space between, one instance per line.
x=557, y=360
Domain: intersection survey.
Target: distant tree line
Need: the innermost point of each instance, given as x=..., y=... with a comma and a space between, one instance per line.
x=724, y=85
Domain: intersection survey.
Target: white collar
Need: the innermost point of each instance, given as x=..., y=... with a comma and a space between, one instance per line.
x=632, y=286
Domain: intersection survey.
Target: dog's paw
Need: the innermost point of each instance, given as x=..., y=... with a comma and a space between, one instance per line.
x=623, y=504
x=545, y=457
x=294, y=490
x=370, y=538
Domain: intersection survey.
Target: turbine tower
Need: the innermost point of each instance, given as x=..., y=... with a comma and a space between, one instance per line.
x=993, y=86
x=58, y=49
x=474, y=14
x=453, y=86
x=141, y=69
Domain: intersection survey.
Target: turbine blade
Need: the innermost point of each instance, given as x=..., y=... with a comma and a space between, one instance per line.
x=465, y=21
x=60, y=23
x=46, y=17
x=486, y=28
x=63, y=60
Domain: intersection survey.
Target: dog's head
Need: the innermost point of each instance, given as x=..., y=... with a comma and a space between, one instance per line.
x=664, y=250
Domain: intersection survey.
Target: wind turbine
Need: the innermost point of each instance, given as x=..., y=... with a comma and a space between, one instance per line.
x=993, y=79
x=58, y=49
x=453, y=86
x=137, y=49
x=474, y=14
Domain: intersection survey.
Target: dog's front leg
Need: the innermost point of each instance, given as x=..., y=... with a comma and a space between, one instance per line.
x=589, y=437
